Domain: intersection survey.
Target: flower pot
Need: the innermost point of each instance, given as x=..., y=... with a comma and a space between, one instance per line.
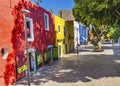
x=49, y=63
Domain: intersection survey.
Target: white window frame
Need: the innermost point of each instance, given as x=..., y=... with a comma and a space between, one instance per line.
x=61, y=49
x=31, y=38
x=46, y=28
x=59, y=28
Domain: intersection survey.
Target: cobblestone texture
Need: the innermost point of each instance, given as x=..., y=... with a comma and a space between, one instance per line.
x=87, y=69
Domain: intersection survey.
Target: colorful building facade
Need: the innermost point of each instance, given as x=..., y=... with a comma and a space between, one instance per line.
x=69, y=18
x=60, y=35
x=40, y=37
x=48, y=36
x=69, y=39
x=76, y=34
x=81, y=34
x=64, y=35
x=84, y=33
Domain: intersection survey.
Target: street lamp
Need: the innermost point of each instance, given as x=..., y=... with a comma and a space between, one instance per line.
x=28, y=61
x=77, y=42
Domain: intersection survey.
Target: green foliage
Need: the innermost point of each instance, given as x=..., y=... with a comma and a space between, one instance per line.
x=22, y=69
x=94, y=42
x=100, y=12
x=116, y=32
x=47, y=56
x=39, y=59
x=55, y=52
x=38, y=2
x=51, y=10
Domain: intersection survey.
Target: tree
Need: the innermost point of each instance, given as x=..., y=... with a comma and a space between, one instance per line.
x=38, y=2
x=115, y=32
x=51, y=10
x=101, y=14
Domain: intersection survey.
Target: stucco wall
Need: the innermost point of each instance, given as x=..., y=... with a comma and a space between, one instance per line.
x=60, y=35
x=12, y=36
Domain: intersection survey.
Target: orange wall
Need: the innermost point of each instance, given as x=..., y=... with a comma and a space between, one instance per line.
x=8, y=66
x=12, y=36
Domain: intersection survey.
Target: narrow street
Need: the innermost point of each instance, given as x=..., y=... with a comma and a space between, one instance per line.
x=88, y=69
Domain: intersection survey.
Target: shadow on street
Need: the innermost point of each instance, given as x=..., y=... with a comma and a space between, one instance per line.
x=83, y=68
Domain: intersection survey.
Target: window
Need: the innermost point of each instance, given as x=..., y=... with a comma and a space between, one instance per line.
x=58, y=28
x=29, y=27
x=46, y=21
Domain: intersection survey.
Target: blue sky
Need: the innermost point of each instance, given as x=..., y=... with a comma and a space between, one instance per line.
x=57, y=5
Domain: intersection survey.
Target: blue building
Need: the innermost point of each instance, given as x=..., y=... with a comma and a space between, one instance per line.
x=83, y=34
x=119, y=41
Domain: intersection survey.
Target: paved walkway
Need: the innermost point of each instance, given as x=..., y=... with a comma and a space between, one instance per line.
x=88, y=69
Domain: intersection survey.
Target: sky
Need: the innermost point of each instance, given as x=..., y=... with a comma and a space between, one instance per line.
x=56, y=5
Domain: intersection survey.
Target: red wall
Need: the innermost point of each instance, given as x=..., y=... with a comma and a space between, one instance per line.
x=7, y=66
x=42, y=37
x=12, y=36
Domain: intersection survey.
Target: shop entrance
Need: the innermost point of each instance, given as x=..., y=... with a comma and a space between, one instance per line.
x=32, y=59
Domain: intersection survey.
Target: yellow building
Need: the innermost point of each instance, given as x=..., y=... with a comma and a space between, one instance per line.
x=64, y=35
x=69, y=39
x=67, y=15
x=60, y=30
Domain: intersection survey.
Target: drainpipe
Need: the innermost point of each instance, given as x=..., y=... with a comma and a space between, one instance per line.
x=42, y=55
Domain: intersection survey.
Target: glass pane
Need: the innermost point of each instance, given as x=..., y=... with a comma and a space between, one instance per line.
x=28, y=29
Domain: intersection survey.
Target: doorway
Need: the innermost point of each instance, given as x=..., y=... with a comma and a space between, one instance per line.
x=32, y=59
x=59, y=50
x=65, y=48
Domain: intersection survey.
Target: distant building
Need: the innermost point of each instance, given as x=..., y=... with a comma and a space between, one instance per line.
x=60, y=37
x=66, y=14
x=69, y=39
x=80, y=32
x=119, y=41
x=76, y=34
x=69, y=18
x=84, y=34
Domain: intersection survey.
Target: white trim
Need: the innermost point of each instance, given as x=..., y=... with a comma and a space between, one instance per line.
x=49, y=46
x=31, y=28
x=76, y=34
x=30, y=50
x=46, y=28
x=61, y=49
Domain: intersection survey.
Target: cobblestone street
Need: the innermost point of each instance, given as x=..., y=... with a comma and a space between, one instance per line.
x=88, y=69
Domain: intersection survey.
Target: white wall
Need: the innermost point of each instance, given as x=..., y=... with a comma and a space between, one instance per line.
x=76, y=33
